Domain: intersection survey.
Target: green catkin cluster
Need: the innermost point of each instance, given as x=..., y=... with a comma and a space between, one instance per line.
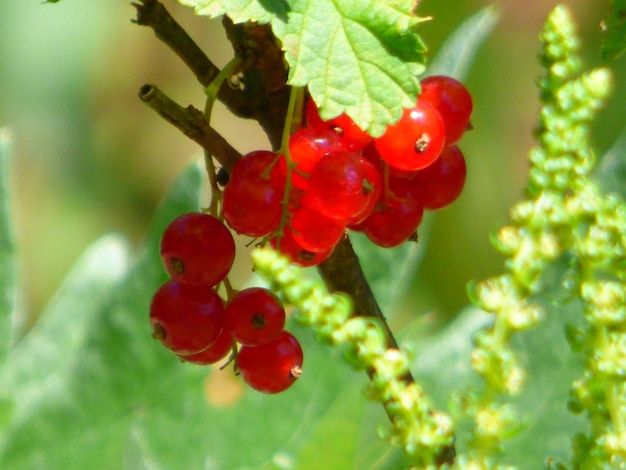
x=421, y=431
x=565, y=216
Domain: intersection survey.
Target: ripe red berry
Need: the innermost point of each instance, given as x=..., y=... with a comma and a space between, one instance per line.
x=216, y=352
x=342, y=184
x=370, y=153
x=314, y=231
x=197, y=248
x=351, y=135
x=186, y=318
x=271, y=367
x=393, y=222
x=252, y=199
x=306, y=147
x=452, y=100
x=302, y=257
x=441, y=183
x=415, y=141
x=254, y=316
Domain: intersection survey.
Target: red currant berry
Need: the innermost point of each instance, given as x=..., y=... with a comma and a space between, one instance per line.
x=452, y=100
x=441, y=183
x=216, y=352
x=314, y=231
x=342, y=184
x=371, y=155
x=252, y=200
x=186, y=318
x=415, y=141
x=306, y=147
x=302, y=257
x=351, y=135
x=271, y=367
x=255, y=316
x=354, y=221
x=197, y=249
x=394, y=222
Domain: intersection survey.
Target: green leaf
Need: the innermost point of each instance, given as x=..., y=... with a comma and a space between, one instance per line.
x=38, y=368
x=261, y=11
x=614, y=31
x=552, y=368
x=8, y=275
x=333, y=441
x=458, y=51
x=78, y=374
x=361, y=57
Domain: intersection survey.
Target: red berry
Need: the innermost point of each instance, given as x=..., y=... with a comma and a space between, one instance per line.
x=197, y=249
x=255, y=316
x=343, y=183
x=371, y=155
x=314, y=231
x=394, y=222
x=306, y=147
x=353, y=222
x=351, y=135
x=415, y=141
x=452, y=100
x=271, y=367
x=252, y=200
x=441, y=183
x=186, y=318
x=216, y=352
x=290, y=247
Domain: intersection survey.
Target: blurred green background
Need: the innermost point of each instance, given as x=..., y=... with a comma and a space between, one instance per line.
x=90, y=158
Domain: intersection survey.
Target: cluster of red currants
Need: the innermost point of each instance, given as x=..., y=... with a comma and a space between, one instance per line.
x=341, y=178
x=336, y=177
x=189, y=317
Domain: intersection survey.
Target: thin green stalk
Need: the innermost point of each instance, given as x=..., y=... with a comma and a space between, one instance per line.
x=212, y=91
x=294, y=112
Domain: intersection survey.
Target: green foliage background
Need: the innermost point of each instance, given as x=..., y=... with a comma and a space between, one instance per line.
x=88, y=159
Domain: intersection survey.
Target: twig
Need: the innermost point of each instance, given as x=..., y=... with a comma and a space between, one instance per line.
x=153, y=14
x=342, y=272
x=191, y=122
x=263, y=94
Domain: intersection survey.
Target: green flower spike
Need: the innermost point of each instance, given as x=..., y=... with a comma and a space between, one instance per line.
x=422, y=432
x=565, y=216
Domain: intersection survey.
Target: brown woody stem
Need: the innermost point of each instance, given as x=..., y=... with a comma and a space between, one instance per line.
x=342, y=272
x=191, y=122
x=153, y=14
x=264, y=92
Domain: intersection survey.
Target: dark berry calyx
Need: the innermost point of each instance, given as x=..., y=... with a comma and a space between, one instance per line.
x=177, y=265
x=158, y=332
x=258, y=321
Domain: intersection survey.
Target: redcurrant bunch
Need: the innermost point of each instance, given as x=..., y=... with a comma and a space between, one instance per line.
x=333, y=176
x=190, y=318
x=342, y=178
